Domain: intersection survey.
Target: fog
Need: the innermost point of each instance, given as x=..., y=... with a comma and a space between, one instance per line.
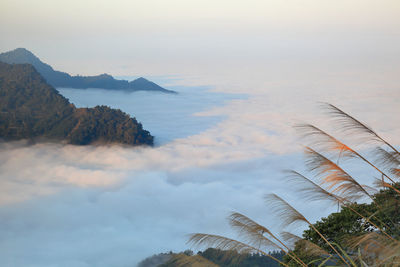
x=246, y=72
x=215, y=152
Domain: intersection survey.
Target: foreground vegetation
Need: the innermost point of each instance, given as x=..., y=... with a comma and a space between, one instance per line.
x=211, y=257
x=366, y=229
x=32, y=109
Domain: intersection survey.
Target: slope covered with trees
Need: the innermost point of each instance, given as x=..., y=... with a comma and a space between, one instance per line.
x=32, y=109
x=210, y=258
x=63, y=79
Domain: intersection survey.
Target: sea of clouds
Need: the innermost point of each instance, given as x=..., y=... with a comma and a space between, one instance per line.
x=245, y=73
x=216, y=151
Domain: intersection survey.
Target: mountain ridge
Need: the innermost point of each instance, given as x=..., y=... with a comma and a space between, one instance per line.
x=32, y=109
x=63, y=79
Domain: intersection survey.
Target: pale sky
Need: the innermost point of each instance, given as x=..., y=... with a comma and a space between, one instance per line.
x=156, y=37
x=283, y=56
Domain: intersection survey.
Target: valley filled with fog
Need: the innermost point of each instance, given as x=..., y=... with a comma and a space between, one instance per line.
x=246, y=73
x=216, y=151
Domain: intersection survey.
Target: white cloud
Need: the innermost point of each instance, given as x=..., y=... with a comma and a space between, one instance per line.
x=113, y=205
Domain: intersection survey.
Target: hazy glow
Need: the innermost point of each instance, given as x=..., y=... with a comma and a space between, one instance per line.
x=199, y=37
x=112, y=206
x=124, y=13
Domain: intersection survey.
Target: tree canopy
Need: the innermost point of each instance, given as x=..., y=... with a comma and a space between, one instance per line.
x=32, y=109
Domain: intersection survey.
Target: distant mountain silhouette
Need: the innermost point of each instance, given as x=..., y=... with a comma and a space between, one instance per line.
x=63, y=79
x=32, y=109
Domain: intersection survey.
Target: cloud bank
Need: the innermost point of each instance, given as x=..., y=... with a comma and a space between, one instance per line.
x=66, y=205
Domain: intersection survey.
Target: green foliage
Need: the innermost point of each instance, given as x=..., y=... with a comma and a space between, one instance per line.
x=223, y=258
x=156, y=260
x=32, y=109
x=234, y=259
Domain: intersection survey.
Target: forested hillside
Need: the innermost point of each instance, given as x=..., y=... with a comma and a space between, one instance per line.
x=211, y=257
x=32, y=109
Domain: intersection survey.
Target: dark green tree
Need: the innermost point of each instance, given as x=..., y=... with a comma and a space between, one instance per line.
x=32, y=109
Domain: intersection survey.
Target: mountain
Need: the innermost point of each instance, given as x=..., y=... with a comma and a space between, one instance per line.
x=62, y=79
x=32, y=109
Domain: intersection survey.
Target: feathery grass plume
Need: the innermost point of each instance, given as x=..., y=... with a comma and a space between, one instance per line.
x=290, y=215
x=311, y=191
x=290, y=238
x=324, y=141
x=327, y=142
x=337, y=179
x=383, y=184
x=252, y=231
x=308, y=247
x=314, y=248
x=314, y=192
x=389, y=160
x=221, y=242
x=284, y=210
x=182, y=260
x=253, y=237
x=254, y=234
x=378, y=249
x=377, y=222
x=353, y=126
x=225, y=243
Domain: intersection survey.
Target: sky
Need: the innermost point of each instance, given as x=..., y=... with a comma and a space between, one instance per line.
x=201, y=38
x=246, y=72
